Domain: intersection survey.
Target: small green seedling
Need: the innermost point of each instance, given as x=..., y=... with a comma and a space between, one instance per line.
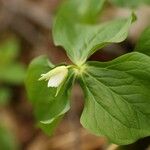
x=116, y=93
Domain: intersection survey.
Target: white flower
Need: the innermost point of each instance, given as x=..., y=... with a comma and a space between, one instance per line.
x=56, y=76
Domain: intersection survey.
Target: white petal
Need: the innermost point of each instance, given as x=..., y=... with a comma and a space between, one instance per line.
x=56, y=80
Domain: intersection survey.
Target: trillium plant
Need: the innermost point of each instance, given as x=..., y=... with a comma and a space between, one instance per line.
x=116, y=93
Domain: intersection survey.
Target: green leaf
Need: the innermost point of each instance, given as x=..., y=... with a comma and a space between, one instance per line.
x=81, y=40
x=129, y=3
x=70, y=13
x=143, y=45
x=47, y=106
x=117, y=97
x=7, y=140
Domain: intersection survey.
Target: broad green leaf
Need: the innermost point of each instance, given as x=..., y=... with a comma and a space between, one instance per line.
x=7, y=140
x=117, y=98
x=70, y=13
x=143, y=45
x=5, y=94
x=46, y=105
x=130, y=3
x=81, y=40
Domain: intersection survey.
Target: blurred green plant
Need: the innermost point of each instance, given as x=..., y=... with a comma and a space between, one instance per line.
x=117, y=97
x=5, y=96
x=80, y=11
x=130, y=3
x=12, y=71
